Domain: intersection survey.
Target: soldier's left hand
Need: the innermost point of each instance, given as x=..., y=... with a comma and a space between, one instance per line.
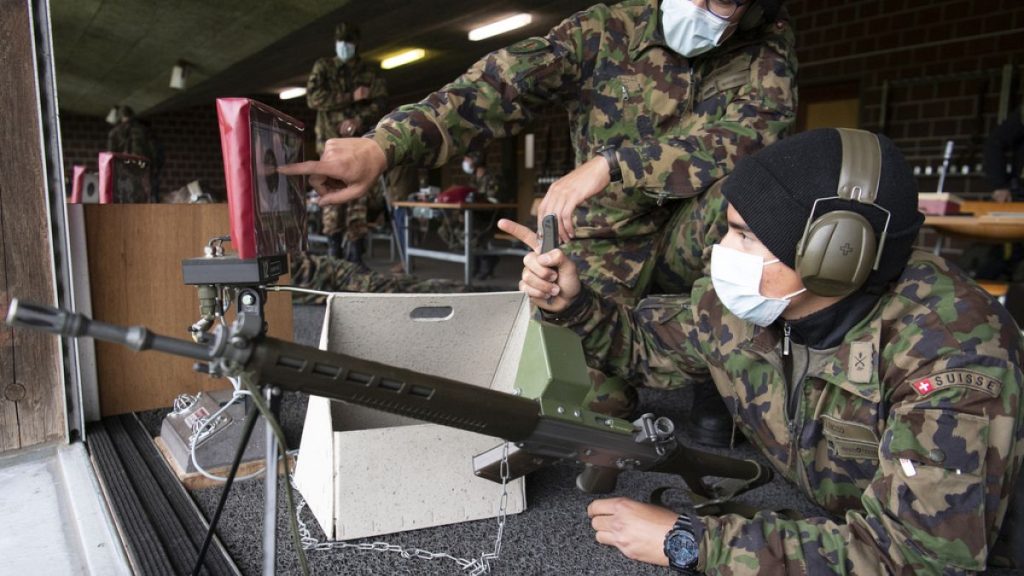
x=571, y=190
x=637, y=529
x=350, y=127
x=347, y=169
x=1002, y=195
x=550, y=280
x=361, y=93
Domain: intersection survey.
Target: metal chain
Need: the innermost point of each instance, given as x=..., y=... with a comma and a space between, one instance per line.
x=476, y=567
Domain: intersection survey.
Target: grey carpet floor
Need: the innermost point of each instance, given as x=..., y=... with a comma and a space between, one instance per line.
x=553, y=535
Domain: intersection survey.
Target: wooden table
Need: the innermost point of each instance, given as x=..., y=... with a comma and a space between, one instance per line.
x=984, y=221
x=987, y=222
x=469, y=251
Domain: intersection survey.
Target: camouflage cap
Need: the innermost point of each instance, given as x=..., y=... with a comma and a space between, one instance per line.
x=775, y=189
x=759, y=12
x=770, y=8
x=346, y=32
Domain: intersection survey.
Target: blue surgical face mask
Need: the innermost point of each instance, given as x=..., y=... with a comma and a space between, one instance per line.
x=467, y=166
x=736, y=277
x=345, y=50
x=689, y=30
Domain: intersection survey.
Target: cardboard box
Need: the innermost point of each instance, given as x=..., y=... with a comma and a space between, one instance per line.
x=365, y=473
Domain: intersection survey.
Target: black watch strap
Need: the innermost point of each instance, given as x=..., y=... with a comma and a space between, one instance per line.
x=611, y=155
x=682, y=561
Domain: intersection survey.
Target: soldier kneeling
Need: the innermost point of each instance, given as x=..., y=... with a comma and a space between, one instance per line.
x=881, y=381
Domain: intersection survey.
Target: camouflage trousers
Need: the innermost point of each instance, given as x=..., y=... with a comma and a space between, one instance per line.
x=337, y=275
x=681, y=255
x=349, y=218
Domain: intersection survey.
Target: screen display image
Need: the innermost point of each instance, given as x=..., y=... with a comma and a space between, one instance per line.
x=274, y=145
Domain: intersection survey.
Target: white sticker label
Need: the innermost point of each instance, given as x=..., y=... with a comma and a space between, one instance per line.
x=908, y=468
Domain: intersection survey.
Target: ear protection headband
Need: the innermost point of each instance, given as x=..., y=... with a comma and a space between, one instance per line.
x=760, y=12
x=837, y=251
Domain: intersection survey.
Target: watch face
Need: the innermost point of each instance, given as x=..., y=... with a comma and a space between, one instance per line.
x=681, y=549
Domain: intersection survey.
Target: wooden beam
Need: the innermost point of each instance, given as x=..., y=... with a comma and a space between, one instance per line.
x=32, y=408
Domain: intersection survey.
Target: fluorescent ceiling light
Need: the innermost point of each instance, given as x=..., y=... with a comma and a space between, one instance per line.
x=289, y=93
x=500, y=27
x=402, y=58
x=179, y=75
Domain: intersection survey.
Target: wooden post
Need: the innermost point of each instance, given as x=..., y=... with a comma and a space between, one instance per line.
x=32, y=406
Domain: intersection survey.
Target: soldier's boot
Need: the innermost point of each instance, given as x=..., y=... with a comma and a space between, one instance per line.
x=485, y=268
x=354, y=252
x=610, y=395
x=335, y=243
x=710, y=423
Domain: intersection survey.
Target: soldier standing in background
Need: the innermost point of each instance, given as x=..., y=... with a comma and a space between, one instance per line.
x=131, y=136
x=890, y=395
x=349, y=97
x=1005, y=147
x=488, y=189
x=1003, y=163
x=486, y=185
x=663, y=97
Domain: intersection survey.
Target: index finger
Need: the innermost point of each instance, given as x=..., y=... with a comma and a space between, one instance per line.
x=308, y=167
x=520, y=232
x=601, y=507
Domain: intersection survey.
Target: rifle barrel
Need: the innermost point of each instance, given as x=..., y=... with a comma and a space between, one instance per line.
x=397, y=390
x=543, y=439
x=332, y=375
x=27, y=315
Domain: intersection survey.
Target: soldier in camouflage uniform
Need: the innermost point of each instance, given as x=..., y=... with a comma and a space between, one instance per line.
x=488, y=189
x=349, y=97
x=486, y=185
x=894, y=405
x=131, y=136
x=325, y=273
x=666, y=124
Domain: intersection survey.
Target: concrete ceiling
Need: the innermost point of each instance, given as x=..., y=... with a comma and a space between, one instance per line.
x=121, y=51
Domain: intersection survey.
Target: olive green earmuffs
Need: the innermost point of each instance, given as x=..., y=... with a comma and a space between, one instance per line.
x=837, y=251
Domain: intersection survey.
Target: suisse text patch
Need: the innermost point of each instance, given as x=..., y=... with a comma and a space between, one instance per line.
x=959, y=378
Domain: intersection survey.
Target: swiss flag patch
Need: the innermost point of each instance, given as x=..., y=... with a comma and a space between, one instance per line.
x=924, y=386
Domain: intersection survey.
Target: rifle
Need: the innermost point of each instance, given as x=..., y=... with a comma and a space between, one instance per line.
x=545, y=424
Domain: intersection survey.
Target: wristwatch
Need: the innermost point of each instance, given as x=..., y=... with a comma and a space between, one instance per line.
x=610, y=154
x=681, y=546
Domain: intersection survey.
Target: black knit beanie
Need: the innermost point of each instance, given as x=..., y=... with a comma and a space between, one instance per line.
x=774, y=190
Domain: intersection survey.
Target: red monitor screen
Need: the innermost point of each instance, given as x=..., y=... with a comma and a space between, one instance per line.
x=268, y=211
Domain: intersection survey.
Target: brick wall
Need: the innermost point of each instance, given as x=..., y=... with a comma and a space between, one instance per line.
x=942, y=59
x=190, y=138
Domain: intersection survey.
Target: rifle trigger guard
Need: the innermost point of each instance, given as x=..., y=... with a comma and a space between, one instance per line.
x=658, y=432
x=229, y=351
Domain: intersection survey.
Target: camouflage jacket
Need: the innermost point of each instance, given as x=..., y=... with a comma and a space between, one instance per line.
x=132, y=137
x=1006, y=140
x=908, y=432
x=329, y=92
x=487, y=188
x=679, y=124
